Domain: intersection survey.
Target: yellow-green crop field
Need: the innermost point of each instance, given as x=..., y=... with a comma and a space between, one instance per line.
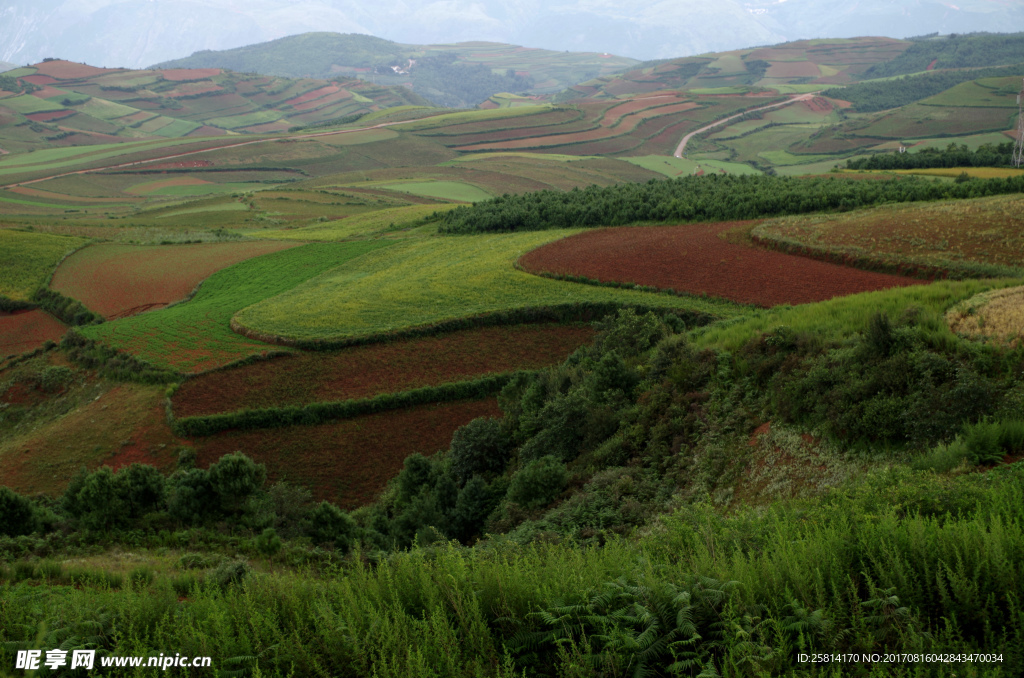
x=843, y=317
x=359, y=225
x=27, y=259
x=421, y=282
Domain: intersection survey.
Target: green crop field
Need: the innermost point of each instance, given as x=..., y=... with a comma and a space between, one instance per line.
x=28, y=259
x=27, y=103
x=195, y=336
x=207, y=189
x=446, y=190
x=224, y=207
x=421, y=282
x=359, y=225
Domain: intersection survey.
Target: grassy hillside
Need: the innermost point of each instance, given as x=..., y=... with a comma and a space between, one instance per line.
x=59, y=103
x=456, y=75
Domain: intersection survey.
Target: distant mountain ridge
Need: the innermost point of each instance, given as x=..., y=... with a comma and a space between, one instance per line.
x=62, y=103
x=453, y=75
x=135, y=33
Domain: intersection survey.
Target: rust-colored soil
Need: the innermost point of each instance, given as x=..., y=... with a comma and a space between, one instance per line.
x=366, y=371
x=350, y=461
x=117, y=281
x=24, y=331
x=694, y=259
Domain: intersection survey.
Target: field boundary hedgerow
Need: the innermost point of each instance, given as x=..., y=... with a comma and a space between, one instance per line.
x=905, y=265
x=557, y=313
x=321, y=412
x=619, y=284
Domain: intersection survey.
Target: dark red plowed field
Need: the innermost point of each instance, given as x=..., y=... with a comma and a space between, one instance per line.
x=349, y=461
x=27, y=330
x=693, y=258
x=366, y=371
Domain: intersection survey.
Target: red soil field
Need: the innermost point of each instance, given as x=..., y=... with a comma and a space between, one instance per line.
x=48, y=92
x=117, y=281
x=324, y=101
x=627, y=125
x=315, y=94
x=349, y=461
x=65, y=70
x=24, y=331
x=184, y=74
x=634, y=105
x=365, y=371
x=47, y=116
x=693, y=258
x=39, y=79
x=793, y=69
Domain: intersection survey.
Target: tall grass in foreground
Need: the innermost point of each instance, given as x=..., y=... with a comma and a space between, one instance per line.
x=904, y=562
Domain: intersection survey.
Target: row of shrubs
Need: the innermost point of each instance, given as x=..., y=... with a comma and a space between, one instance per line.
x=231, y=492
x=113, y=363
x=68, y=310
x=317, y=413
x=586, y=311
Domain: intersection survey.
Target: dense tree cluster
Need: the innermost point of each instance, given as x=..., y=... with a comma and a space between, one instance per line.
x=868, y=97
x=709, y=198
x=976, y=50
x=987, y=155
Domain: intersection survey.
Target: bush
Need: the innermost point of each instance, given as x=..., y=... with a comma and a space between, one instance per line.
x=538, y=483
x=191, y=499
x=479, y=448
x=16, y=513
x=235, y=478
x=230, y=573
x=329, y=524
x=268, y=543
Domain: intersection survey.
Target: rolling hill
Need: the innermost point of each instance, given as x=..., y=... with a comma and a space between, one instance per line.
x=61, y=103
x=454, y=75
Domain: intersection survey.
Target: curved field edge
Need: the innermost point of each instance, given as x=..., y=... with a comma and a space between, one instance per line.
x=117, y=280
x=196, y=336
x=423, y=286
x=697, y=259
x=832, y=321
x=28, y=260
x=972, y=238
x=301, y=378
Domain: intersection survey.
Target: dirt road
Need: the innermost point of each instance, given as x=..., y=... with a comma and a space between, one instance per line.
x=682, y=144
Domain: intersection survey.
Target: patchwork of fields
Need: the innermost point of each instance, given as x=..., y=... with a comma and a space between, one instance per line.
x=196, y=336
x=117, y=281
x=366, y=371
x=419, y=283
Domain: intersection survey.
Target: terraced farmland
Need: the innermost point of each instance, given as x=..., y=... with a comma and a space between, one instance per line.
x=117, y=281
x=424, y=282
x=348, y=462
x=963, y=235
x=366, y=371
x=694, y=259
x=195, y=336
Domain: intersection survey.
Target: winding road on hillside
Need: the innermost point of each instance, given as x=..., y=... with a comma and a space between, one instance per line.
x=682, y=144
x=291, y=137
